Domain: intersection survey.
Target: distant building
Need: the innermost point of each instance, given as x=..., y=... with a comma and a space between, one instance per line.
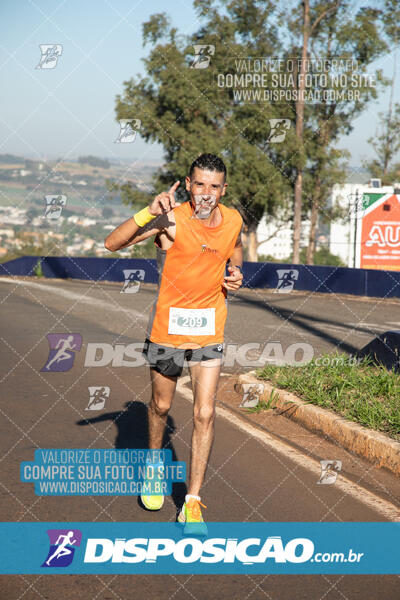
x=36, y=235
x=56, y=236
x=12, y=215
x=83, y=221
x=278, y=237
x=80, y=246
x=7, y=233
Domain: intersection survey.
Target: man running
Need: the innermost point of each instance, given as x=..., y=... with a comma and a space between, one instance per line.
x=62, y=549
x=62, y=347
x=194, y=241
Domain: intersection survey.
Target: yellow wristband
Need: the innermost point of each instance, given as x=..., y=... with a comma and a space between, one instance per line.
x=143, y=216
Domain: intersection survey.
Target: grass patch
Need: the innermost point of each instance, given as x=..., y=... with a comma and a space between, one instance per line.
x=362, y=392
x=37, y=269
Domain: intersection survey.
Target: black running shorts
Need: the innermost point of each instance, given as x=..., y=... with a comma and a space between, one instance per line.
x=170, y=361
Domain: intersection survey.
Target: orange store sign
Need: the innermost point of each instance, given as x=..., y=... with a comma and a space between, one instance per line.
x=379, y=232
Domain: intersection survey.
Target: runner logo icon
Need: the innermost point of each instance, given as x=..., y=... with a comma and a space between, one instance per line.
x=286, y=280
x=98, y=396
x=50, y=54
x=329, y=471
x=133, y=277
x=62, y=547
x=128, y=130
x=62, y=351
x=279, y=128
x=54, y=206
x=202, y=56
x=252, y=394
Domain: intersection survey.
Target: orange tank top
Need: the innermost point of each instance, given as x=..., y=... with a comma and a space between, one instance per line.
x=190, y=307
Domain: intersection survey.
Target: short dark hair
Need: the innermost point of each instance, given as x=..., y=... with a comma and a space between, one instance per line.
x=208, y=162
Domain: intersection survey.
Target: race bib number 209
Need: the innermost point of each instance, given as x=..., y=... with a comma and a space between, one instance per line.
x=191, y=321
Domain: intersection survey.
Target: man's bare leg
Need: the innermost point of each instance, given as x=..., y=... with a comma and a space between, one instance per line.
x=163, y=390
x=205, y=378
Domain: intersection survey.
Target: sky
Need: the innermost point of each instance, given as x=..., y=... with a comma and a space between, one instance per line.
x=69, y=111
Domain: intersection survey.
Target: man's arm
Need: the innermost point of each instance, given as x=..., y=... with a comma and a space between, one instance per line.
x=237, y=257
x=129, y=232
x=234, y=280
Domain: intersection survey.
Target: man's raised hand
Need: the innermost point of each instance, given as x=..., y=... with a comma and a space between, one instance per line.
x=164, y=202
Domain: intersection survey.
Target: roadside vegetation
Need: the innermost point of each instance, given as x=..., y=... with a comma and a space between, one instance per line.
x=359, y=390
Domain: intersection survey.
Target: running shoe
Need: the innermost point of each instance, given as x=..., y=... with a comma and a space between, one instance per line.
x=191, y=516
x=152, y=501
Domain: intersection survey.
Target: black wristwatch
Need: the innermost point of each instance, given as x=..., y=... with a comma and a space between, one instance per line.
x=239, y=267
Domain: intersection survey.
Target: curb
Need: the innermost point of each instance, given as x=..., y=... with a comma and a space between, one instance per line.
x=374, y=446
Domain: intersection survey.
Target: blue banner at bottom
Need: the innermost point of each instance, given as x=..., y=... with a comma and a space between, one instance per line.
x=162, y=548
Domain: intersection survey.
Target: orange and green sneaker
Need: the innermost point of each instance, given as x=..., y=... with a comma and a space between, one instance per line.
x=191, y=516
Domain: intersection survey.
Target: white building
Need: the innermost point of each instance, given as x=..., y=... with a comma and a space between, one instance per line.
x=12, y=215
x=83, y=221
x=279, y=237
x=9, y=233
x=80, y=246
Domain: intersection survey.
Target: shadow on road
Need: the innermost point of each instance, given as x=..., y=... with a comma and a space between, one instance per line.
x=294, y=317
x=132, y=432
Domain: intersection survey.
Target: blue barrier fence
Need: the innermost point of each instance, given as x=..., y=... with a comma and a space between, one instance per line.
x=280, y=276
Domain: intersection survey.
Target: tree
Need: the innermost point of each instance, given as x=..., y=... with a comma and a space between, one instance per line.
x=386, y=144
x=94, y=161
x=334, y=32
x=386, y=141
x=11, y=159
x=188, y=113
x=325, y=171
x=107, y=212
x=31, y=213
x=190, y=110
x=298, y=185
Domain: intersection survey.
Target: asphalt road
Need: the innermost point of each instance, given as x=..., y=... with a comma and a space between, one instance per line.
x=269, y=476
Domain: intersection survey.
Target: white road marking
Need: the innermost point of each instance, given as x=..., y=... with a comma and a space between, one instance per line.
x=84, y=299
x=370, y=325
x=352, y=327
x=379, y=505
